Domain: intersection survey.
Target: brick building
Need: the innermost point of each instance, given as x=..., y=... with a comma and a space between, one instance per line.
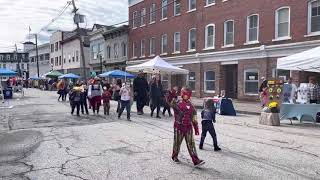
x=225, y=44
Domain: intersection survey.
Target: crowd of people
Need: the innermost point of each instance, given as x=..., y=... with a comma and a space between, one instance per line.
x=99, y=93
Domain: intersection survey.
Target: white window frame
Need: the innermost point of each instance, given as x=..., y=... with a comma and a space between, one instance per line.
x=244, y=81
x=116, y=50
x=152, y=46
x=142, y=48
x=225, y=34
x=162, y=47
x=152, y=17
x=189, y=40
x=309, y=19
x=205, y=80
x=248, y=30
x=176, y=3
x=162, y=9
x=174, y=43
x=143, y=17
x=124, y=49
x=134, y=20
x=1, y=57
x=189, y=6
x=276, y=35
x=133, y=50
x=188, y=80
x=210, y=4
x=206, y=36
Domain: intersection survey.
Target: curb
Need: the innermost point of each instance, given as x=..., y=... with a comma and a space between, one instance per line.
x=237, y=111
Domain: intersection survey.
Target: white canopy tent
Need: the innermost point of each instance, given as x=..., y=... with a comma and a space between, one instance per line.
x=157, y=64
x=305, y=61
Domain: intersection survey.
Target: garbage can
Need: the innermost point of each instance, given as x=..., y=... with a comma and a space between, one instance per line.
x=7, y=93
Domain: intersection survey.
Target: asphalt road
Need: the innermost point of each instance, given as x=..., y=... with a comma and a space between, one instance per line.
x=100, y=147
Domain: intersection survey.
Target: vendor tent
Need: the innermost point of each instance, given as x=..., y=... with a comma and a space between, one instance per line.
x=69, y=76
x=305, y=61
x=53, y=74
x=157, y=64
x=117, y=74
x=36, y=78
x=5, y=73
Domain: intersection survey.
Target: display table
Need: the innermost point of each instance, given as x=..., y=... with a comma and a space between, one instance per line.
x=304, y=112
x=224, y=106
x=270, y=119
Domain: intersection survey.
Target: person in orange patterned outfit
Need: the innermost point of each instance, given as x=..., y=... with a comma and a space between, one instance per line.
x=185, y=120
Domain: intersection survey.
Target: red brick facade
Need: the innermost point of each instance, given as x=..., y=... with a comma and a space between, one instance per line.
x=267, y=51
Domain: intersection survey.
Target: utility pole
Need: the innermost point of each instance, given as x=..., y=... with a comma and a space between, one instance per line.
x=75, y=9
x=101, y=68
x=37, y=55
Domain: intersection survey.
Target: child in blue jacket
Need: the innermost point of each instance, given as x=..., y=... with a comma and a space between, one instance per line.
x=208, y=116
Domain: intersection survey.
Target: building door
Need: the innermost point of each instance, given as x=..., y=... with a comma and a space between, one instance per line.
x=231, y=80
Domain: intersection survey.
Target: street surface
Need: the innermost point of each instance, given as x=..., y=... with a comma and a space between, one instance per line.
x=67, y=147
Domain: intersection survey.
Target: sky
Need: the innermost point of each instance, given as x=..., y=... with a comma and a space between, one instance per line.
x=17, y=15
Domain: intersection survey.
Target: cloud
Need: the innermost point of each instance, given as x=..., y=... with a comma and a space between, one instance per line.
x=18, y=15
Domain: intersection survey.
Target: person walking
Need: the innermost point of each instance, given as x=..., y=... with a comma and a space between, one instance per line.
x=185, y=116
x=106, y=96
x=208, y=116
x=116, y=93
x=125, y=93
x=156, y=96
x=94, y=93
x=141, y=90
x=314, y=94
x=75, y=98
x=60, y=87
x=83, y=101
x=170, y=95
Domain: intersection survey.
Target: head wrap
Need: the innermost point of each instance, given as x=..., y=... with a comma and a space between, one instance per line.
x=186, y=94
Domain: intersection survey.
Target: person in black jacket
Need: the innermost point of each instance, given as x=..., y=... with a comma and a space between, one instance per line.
x=156, y=95
x=75, y=98
x=83, y=100
x=141, y=90
x=208, y=116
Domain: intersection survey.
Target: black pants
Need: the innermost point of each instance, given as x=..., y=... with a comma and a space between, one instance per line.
x=156, y=102
x=125, y=105
x=208, y=126
x=73, y=106
x=84, y=106
x=140, y=103
x=166, y=107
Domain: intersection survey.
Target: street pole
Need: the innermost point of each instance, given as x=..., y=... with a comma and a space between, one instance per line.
x=81, y=43
x=37, y=55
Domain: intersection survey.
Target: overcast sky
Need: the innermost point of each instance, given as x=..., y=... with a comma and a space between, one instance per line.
x=17, y=15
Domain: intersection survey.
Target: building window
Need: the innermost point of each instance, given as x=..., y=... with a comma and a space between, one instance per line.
x=116, y=50
x=164, y=11
x=135, y=19
x=64, y=59
x=56, y=61
x=165, y=81
x=124, y=49
x=47, y=56
x=209, y=81
x=1, y=57
x=94, y=52
x=282, y=23
x=314, y=16
x=142, y=48
x=164, y=44
x=60, y=46
x=142, y=17
x=152, y=18
x=73, y=57
x=192, y=5
x=134, y=49
x=32, y=59
x=251, y=81
x=41, y=57
x=177, y=8
x=60, y=61
x=253, y=28
x=192, y=81
x=176, y=42
x=210, y=2
x=109, y=52
x=8, y=57
x=192, y=39
x=77, y=56
x=69, y=58
x=51, y=61
x=229, y=32
x=56, y=46
x=52, y=47
x=210, y=36
x=152, y=46
x=15, y=57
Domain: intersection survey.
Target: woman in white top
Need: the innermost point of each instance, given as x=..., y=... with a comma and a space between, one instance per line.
x=126, y=94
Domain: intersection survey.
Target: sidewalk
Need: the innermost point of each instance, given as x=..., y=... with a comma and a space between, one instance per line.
x=242, y=107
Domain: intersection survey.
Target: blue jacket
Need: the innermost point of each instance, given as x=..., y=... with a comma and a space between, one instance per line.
x=208, y=115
